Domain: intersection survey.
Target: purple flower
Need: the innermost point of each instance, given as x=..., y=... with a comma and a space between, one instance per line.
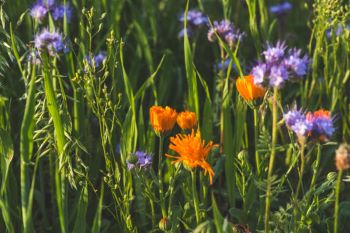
x=296, y=121
x=278, y=75
x=59, y=11
x=39, y=11
x=97, y=60
x=322, y=124
x=259, y=72
x=140, y=159
x=226, y=65
x=226, y=31
x=49, y=4
x=50, y=41
x=275, y=53
x=281, y=8
x=295, y=63
x=195, y=19
x=279, y=65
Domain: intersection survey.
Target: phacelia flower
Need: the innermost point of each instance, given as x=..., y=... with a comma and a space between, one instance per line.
x=59, y=11
x=280, y=8
x=226, y=31
x=280, y=65
x=338, y=30
x=248, y=90
x=162, y=119
x=259, y=72
x=50, y=41
x=295, y=63
x=39, y=11
x=96, y=60
x=296, y=121
x=195, y=20
x=224, y=66
x=192, y=152
x=187, y=120
x=342, y=157
x=275, y=53
x=322, y=125
x=139, y=159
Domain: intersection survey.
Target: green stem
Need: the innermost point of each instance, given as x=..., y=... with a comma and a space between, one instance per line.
x=336, y=207
x=302, y=166
x=61, y=141
x=315, y=167
x=160, y=177
x=26, y=147
x=256, y=130
x=195, y=196
x=272, y=158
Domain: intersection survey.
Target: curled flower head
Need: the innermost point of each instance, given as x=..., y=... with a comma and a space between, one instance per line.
x=342, y=157
x=187, y=120
x=280, y=65
x=296, y=121
x=275, y=53
x=50, y=41
x=195, y=20
x=39, y=11
x=248, y=90
x=322, y=125
x=226, y=31
x=295, y=63
x=280, y=9
x=162, y=119
x=192, y=151
x=139, y=159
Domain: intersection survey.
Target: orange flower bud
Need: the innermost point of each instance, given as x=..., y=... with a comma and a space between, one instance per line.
x=162, y=119
x=248, y=90
x=187, y=120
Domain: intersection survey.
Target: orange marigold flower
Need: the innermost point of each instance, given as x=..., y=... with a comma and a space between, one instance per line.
x=187, y=120
x=162, y=119
x=192, y=151
x=248, y=90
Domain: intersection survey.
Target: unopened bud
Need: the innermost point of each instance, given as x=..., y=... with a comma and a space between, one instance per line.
x=164, y=224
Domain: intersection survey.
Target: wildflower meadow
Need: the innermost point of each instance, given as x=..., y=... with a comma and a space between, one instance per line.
x=227, y=116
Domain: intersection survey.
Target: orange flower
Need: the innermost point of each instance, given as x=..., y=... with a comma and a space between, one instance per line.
x=187, y=120
x=248, y=90
x=162, y=119
x=192, y=151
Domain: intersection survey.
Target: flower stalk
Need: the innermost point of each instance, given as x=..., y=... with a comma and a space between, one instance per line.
x=272, y=158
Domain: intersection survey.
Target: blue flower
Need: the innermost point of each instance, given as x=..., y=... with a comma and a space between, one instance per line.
x=226, y=31
x=34, y=58
x=339, y=30
x=259, y=73
x=322, y=124
x=96, y=60
x=59, y=11
x=296, y=121
x=281, y=8
x=295, y=63
x=39, y=11
x=275, y=53
x=50, y=41
x=278, y=75
x=141, y=160
x=195, y=19
x=226, y=65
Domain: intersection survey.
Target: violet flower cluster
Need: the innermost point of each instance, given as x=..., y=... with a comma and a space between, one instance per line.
x=52, y=42
x=42, y=7
x=281, y=8
x=317, y=125
x=280, y=65
x=97, y=60
x=195, y=20
x=226, y=31
x=139, y=159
